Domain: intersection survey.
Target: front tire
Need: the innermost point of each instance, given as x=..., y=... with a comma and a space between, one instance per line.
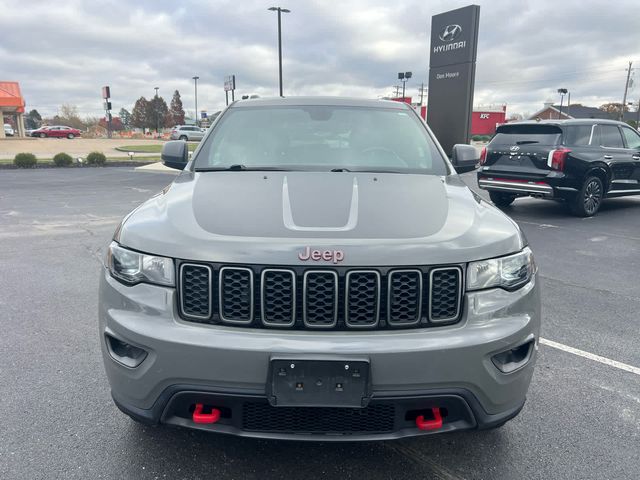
x=70, y=136
x=501, y=200
x=43, y=135
x=587, y=201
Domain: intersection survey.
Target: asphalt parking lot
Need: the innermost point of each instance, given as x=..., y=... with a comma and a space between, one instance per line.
x=581, y=420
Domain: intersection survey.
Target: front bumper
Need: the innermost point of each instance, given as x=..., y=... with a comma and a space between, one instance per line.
x=449, y=366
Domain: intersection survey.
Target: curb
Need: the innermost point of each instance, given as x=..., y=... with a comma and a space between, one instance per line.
x=157, y=167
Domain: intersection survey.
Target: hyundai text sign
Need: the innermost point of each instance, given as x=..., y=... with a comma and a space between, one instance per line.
x=454, y=38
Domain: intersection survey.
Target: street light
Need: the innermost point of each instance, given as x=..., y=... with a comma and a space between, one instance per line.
x=562, y=92
x=404, y=76
x=280, y=11
x=195, y=82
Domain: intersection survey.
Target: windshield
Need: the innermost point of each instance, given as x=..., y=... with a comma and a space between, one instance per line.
x=321, y=138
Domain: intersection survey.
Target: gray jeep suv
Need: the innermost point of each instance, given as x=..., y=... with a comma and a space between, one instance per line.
x=318, y=271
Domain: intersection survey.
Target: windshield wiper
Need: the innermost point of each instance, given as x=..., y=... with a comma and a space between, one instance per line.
x=366, y=170
x=239, y=167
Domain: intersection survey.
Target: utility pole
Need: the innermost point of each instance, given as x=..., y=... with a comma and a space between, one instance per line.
x=422, y=90
x=626, y=90
x=397, y=87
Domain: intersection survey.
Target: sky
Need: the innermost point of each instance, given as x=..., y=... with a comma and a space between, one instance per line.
x=63, y=52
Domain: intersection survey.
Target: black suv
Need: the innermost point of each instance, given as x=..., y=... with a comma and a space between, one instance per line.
x=579, y=161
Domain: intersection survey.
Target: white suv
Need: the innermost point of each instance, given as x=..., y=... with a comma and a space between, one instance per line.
x=187, y=132
x=8, y=130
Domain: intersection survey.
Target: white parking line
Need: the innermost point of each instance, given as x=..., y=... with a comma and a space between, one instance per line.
x=590, y=356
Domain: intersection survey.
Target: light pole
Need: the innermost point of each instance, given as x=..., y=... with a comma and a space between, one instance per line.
x=562, y=92
x=156, y=108
x=280, y=11
x=404, y=76
x=195, y=83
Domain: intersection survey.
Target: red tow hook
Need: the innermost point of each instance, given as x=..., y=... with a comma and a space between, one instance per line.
x=199, y=417
x=434, y=424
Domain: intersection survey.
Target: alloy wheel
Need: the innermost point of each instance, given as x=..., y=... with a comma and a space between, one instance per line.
x=592, y=196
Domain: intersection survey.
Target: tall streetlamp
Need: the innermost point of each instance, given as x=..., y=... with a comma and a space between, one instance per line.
x=156, y=108
x=562, y=92
x=280, y=12
x=195, y=83
x=404, y=76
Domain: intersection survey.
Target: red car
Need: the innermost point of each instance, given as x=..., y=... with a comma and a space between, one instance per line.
x=56, y=131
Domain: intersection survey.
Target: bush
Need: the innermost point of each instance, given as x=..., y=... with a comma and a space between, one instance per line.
x=25, y=160
x=63, y=160
x=481, y=138
x=96, y=158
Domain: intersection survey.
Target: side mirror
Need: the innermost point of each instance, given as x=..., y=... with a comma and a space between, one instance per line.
x=464, y=158
x=175, y=154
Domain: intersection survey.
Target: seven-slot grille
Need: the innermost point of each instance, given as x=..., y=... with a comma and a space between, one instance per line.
x=320, y=298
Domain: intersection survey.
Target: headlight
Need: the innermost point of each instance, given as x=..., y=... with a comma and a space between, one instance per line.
x=508, y=272
x=133, y=267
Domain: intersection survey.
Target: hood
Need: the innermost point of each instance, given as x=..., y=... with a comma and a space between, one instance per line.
x=270, y=217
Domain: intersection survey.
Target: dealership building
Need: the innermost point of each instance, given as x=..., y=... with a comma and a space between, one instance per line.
x=11, y=105
x=484, y=119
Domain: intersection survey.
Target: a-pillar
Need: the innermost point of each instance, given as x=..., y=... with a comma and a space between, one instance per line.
x=2, y=135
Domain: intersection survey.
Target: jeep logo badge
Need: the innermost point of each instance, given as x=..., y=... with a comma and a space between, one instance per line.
x=334, y=256
x=450, y=33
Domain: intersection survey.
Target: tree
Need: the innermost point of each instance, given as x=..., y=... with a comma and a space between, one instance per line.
x=33, y=120
x=69, y=116
x=613, y=108
x=116, y=124
x=139, y=113
x=125, y=118
x=157, y=111
x=176, y=112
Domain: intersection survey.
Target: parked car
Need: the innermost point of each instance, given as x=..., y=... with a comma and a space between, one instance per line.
x=187, y=132
x=8, y=130
x=319, y=271
x=581, y=162
x=56, y=132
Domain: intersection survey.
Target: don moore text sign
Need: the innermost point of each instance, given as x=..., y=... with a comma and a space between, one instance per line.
x=452, y=68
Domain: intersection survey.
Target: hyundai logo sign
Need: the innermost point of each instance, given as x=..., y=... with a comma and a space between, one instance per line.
x=450, y=33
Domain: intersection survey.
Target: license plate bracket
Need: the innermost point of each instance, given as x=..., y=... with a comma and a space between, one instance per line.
x=305, y=382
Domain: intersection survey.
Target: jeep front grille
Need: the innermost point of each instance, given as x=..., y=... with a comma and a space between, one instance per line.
x=446, y=289
x=196, y=290
x=322, y=298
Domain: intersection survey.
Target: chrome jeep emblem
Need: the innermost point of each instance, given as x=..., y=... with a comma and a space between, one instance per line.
x=334, y=256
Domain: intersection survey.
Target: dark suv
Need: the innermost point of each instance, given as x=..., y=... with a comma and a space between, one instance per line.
x=579, y=161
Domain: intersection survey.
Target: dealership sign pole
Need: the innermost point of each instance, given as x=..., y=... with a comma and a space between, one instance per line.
x=452, y=69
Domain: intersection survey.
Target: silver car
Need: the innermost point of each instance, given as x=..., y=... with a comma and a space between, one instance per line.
x=319, y=271
x=187, y=132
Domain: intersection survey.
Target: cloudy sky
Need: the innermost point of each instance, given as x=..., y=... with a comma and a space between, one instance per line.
x=62, y=52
